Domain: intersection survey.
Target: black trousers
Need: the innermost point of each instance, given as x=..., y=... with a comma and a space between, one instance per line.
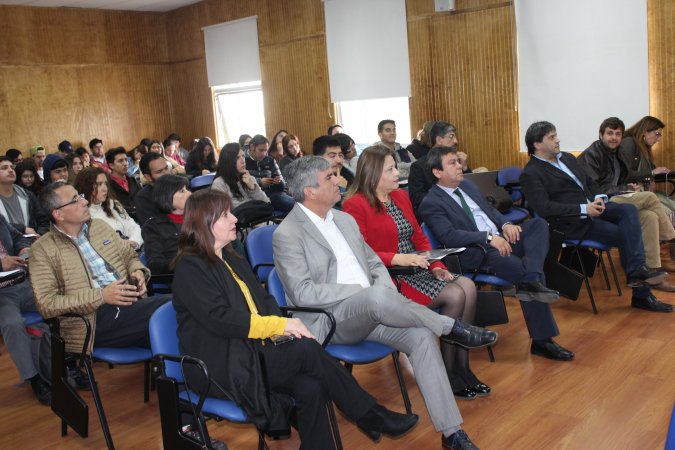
x=129, y=327
x=305, y=371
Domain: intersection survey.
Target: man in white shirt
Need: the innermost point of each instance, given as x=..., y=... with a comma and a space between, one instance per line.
x=359, y=292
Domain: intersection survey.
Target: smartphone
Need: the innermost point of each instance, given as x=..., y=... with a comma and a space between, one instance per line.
x=133, y=281
x=279, y=340
x=24, y=256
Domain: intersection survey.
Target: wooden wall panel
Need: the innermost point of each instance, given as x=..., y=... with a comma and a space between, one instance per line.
x=661, y=22
x=462, y=71
x=76, y=74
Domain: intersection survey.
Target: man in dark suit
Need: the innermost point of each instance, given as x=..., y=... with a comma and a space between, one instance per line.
x=555, y=184
x=458, y=216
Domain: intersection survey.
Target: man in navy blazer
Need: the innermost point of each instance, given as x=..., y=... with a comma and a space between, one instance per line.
x=458, y=216
x=556, y=184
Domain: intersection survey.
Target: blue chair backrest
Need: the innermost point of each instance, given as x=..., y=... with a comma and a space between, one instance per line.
x=202, y=181
x=670, y=437
x=163, y=338
x=430, y=236
x=259, y=250
x=511, y=175
x=275, y=288
x=143, y=258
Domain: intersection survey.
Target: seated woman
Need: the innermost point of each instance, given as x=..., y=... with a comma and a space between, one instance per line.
x=172, y=154
x=92, y=182
x=226, y=319
x=292, y=151
x=76, y=165
x=160, y=232
x=174, y=167
x=27, y=177
x=202, y=159
x=386, y=220
x=233, y=178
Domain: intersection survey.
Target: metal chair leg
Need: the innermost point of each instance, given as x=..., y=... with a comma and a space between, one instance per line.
x=146, y=381
x=401, y=383
x=601, y=261
x=588, y=284
x=334, y=425
x=97, y=402
x=490, y=353
x=616, y=279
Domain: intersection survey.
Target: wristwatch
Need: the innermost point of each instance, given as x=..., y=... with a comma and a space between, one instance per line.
x=490, y=236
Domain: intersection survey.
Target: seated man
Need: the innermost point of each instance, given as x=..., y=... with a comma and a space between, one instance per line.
x=83, y=266
x=555, y=184
x=124, y=186
x=18, y=206
x=386, y=130
x=153, y=166
x=328, y=147
x=55, y=168
x=458, y=215
x=359, y=292
x=14, y=299
x=606, y=168
x=266, y=173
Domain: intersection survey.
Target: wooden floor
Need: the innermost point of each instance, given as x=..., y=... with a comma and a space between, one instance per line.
x=617, y=394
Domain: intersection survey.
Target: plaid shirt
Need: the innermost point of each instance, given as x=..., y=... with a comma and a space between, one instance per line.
x=103, y=273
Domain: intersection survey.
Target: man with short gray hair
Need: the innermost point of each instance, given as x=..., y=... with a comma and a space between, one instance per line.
x=358, y=291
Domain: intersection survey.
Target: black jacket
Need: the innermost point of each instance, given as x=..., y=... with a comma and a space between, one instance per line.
x=127, y=199
x=213, y=325
x=160, y=238
x=265, y=168
x=551, y=192
x=418, y=148
x=145, y=208
x=420, y=181
x=11, y=239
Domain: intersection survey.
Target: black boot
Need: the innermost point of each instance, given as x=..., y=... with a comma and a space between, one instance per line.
x=379, y=420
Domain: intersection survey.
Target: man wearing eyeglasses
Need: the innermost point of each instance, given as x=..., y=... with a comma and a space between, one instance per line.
x=328, y=147
x=83, y=266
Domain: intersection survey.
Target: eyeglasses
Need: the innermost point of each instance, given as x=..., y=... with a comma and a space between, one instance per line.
x=75, y=199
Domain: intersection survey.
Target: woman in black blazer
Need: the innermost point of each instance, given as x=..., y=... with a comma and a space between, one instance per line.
x=265, y=362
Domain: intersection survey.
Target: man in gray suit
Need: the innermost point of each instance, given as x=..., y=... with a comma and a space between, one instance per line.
x=360, y=293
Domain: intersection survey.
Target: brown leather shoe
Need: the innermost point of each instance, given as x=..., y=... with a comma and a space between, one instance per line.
x=665, y=287
x=667, y=265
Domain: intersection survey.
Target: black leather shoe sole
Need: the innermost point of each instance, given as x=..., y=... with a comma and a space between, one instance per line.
x=542, y=297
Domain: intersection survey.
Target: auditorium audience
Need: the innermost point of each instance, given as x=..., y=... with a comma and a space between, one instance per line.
x=421, y=145
x=92, y=182
x=14, y=155
x=171, y=153
x=555, y=184
x=385, y=217
x=348, y=150
x=225, y=318
x=184, y=153
x=328, y=147
x=65, y=148
x=244, y=139
x=334, y=129
x=86, y=158
x=55, y=168
x=233, y=178
x=153, y=167
x=19, y=206
x=75, y=163
x=202, y=159
x=38, y=155
x=97, y=157
x=160, y=232
x=275, y=143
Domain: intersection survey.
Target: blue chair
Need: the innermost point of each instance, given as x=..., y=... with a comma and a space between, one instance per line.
x=509, y=179
x=601, y=249
x=128, y=355
x=202, y=181
x=259, y=251
x=670, y=438
x=31, y=318
x=164, y=343
x=158, y=283
x=364, y=352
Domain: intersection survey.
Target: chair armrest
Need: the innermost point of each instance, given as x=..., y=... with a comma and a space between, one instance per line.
x=333, y=324
x=158, y=361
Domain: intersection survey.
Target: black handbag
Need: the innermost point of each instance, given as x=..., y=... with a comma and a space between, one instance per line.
x=499, y=199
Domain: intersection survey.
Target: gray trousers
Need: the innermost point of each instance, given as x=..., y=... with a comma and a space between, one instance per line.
x=383, y=315
x=14, y=300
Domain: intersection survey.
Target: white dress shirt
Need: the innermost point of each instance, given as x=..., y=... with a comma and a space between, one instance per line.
x=482, y=220
x=349, y=271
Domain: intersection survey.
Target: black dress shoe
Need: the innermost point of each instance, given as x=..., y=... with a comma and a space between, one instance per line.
x=458, y=441
x=469, y=336
x=535, y=291
x=551, y=350
x=42, y=391
x=379, y=420
x=651, y=303
x=481, y=389
x=465, y=394
x=646, y=276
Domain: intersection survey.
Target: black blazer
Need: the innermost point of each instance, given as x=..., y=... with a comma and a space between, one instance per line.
x=551, y=192
x=448, y=221
x=213, y=325
x=160, y=242
x=124, y=197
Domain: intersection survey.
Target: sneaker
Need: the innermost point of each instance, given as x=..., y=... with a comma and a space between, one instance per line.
x=42, y=391
x=193, y=433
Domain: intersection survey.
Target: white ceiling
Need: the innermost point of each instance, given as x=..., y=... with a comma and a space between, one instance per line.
x=132, y=5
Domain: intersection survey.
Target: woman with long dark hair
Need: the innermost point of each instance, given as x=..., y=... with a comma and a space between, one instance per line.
x=27, y=177
x=266, y=363
x=233, y=178
x=202, y=159
x=386, y=219
x=291, y=150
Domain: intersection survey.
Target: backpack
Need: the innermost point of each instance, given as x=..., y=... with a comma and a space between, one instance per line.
x=252, y=211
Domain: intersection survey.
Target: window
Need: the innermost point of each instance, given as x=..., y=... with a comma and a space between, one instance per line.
x=359, y=118
x=239, y=110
